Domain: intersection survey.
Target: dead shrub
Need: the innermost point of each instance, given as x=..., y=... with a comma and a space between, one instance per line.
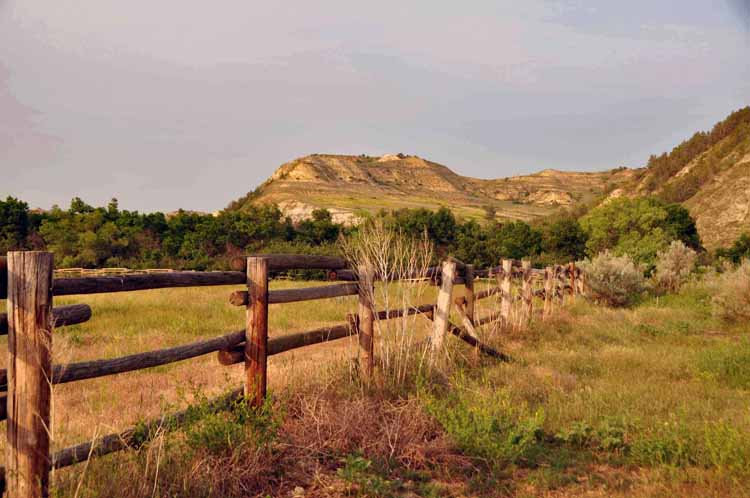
x=394, y=433
x=320, y=429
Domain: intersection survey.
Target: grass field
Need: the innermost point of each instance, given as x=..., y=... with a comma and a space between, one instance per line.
x=652, y=401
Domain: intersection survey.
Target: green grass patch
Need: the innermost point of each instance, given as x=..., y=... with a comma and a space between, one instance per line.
x=727, y=364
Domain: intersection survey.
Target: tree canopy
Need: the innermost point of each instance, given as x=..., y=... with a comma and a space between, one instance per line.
x=639, y=227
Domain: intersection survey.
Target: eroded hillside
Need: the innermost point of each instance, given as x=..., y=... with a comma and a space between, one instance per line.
x=710, y=175
x=351, y=185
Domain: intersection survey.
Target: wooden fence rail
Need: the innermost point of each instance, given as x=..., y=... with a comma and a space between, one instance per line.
x=26, y=279
x=72, y=314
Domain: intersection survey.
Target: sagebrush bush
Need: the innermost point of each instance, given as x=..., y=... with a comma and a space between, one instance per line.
x=614, y=280
x=674, y=266
x=732, y=294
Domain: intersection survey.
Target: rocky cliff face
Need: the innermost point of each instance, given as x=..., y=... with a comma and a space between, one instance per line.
x=722, y=207
x=351, y=185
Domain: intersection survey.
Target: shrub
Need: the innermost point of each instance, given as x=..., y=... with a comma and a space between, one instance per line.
x=732, y=294
x=674, y=265
x=739, y=250
x=614, y=280
x=490, y=427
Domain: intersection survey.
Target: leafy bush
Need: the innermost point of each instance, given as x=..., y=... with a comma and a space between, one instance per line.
x=614, y=280
x=220, y=431
x=738, y=251
x=674, y=265
x=732, y=294
x=490, y=427
x=361, y=473
x=610, y=436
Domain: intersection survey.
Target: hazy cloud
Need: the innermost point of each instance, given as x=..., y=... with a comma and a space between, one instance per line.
x=742, y=9
x=174, y=103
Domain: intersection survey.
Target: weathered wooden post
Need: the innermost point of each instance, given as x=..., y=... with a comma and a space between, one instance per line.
x=505, y=291
x=29, y=373
x=559, y=285
x=366, y=319
x=470, y=298
x=443, y=307
x=581, y=279
x=572, y=280
x=527, y=295
x=256, y=331
x=549, y=275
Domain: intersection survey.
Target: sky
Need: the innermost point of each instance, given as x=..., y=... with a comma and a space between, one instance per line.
x=191, y=104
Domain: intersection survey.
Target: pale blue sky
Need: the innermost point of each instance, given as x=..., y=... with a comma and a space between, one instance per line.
x=191, y=104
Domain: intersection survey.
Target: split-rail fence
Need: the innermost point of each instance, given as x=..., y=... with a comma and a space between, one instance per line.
x=26, y=281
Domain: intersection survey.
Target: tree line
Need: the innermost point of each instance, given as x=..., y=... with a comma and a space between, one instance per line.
x=95, y=237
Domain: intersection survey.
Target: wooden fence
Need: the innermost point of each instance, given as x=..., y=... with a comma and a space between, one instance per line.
x=26, y=280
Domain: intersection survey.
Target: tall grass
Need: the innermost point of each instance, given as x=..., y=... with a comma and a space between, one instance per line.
x=401, y=264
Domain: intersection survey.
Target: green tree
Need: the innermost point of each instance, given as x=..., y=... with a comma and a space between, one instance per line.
x=471, y=245
x=320, y=229
x=639, y=227
x=564, y=240
x=682, y=227
x=514, y=240
x=440, y=226
x=77, y=206
x=14, y=224
x=738, y=251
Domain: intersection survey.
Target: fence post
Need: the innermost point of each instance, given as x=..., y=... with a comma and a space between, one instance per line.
x=527, y=295
x=559, y=284
x=572, y=279
x=366, y=319
x=505, y=287
x=470, y=299
x=549, y=275
x=29, y=373
x=443, y=308
x=581, y=278
x=256, y=331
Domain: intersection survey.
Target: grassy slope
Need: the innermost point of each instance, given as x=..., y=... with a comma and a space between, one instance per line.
x=645, y=402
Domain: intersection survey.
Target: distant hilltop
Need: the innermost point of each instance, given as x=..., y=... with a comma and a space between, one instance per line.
x=350, y=185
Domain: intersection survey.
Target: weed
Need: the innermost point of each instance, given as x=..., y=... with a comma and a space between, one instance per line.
x=489, y=426
x=609, y=436
x=360, y=472
x=727, y=364
x=671, y=444
x=220, y=431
